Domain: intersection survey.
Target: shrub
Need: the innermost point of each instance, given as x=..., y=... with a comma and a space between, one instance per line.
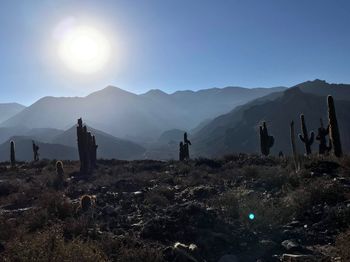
x=49, y=245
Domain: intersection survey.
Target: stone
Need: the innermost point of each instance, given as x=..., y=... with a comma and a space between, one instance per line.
x=298, y=258
x=291, y=245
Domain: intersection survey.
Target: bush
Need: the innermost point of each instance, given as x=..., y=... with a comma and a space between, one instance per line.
x=50, y=245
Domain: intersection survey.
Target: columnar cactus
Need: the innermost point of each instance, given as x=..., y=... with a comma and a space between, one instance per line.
x=59, y=168
x=321, y=136
x=334, y=129
x=35, y=152
x=304, y=137
x=266, y=141
x=181, y=151
x=294, y=148
x=186, y=148
x=94, y=151
x=13, y=154
x=87, y=148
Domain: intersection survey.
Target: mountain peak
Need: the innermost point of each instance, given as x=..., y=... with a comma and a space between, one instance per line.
x=111, y=91
x=155, y=92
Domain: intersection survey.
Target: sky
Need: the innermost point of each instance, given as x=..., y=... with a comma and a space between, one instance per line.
x=175, y=45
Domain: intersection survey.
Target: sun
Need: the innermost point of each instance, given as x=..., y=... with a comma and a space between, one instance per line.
x=84, y=49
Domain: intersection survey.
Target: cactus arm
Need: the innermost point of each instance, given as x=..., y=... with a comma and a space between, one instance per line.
x=311, y=140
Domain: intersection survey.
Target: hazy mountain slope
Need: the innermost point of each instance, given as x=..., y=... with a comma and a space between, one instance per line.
x=171, y=136
x=23, y=146
x=8, y=110
x=140, y=117
x=108, y=146
x=238, y=130
x=321, y=87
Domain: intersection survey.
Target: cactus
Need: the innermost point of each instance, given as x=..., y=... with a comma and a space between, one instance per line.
x=321, y=136
x=35, y=152
x=59, y=168
x=87, y=148
x=186, y=144
x=266, y=141
x=294, y=149
x=59, y=180
x=333, y=128
x=304, y=137
x=13, y=154
x=181, y=151
x=94, y=152
x=86, y=203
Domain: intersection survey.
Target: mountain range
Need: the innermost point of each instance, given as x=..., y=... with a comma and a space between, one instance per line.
x=135, y=117
x=150, y=125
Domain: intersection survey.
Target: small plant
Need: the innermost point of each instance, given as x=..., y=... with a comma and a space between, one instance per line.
x=266, y=141
x=59, y=180
x=304, y=136
x=86, y=203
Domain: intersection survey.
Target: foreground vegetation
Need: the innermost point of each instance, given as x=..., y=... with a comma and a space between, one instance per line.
x=243, y=207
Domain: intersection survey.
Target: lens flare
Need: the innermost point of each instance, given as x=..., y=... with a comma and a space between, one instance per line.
x=251, y=216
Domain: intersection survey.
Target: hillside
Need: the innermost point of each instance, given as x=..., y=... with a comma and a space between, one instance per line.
x=237, y=131
x=8, y=110
x=23, y=147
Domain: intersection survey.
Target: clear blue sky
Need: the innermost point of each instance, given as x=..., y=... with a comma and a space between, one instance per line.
x=172, y=45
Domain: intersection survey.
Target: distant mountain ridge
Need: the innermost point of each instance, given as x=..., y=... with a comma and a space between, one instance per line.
x=137, y=117
x=8, y=110
x=237, y=131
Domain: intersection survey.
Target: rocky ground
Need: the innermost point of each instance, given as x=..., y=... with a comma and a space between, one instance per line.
x=239, y=208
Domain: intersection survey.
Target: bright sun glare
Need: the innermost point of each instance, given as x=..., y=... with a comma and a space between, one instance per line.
x=84, y=49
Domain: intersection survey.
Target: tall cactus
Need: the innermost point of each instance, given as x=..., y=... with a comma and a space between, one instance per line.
x=333, y=128
x=181, y=151
x=266, y=141
x=87, y=148
x=13, y=154
x=186, y=145
x=35, y=152
x=321, y=137
x=294, y=148
x=304, y=137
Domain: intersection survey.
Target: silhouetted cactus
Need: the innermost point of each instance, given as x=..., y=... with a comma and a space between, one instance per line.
x=333, y=128
x=59, y=168
x=304, y=137
x=87, y=148
x=181, y=151
x=35, y=152
x=321, y=136
x=294, y=149
x=266, y=141
x=186, y=147
x=94, y=152
x=13, y=154
x=59, y=180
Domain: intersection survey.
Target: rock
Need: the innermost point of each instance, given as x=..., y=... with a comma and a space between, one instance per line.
x=298, y=258
x=228, y=258
x=291, y=245
x=182, y=252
